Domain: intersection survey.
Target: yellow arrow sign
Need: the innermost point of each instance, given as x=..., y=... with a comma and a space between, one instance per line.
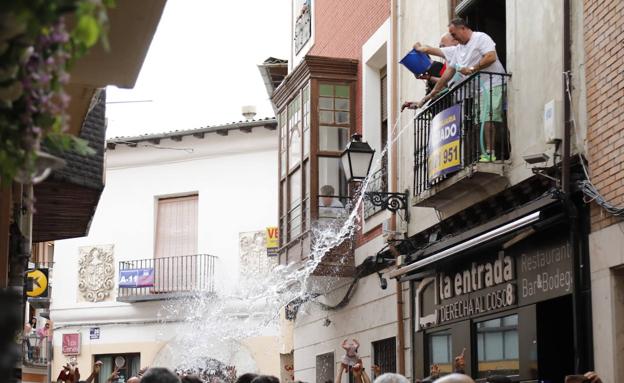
x=39, y=279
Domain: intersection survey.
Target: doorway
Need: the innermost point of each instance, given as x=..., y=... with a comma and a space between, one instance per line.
x=555, y=347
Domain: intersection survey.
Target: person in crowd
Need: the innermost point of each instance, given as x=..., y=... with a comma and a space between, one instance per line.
x=446, y=50
x=455, y=378
x=459, y=364
x=159, y=375
x=186, y=379
x=33, y=323
x=359, y=375
x=588, y=377
x=246, y=378
x=42, y=334
x=265, y=379
x=329, y=206
x=476, y=52
x=28, y=347
x=390, y=377
x=350, y=358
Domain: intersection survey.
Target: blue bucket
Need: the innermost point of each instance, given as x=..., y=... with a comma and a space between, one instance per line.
x=417, y=62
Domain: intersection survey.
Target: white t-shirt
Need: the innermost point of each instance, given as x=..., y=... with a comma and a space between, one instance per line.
x=449, y=54
x=469, y=54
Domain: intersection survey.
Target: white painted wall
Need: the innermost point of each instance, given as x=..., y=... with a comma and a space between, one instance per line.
x=235, y=177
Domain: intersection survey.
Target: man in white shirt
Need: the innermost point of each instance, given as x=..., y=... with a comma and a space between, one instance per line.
x=329, y=206
x=476, y=52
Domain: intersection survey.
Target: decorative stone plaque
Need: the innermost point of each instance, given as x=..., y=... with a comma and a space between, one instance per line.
x=96, y=273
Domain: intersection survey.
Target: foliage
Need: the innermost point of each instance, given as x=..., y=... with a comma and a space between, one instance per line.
x=37, y=49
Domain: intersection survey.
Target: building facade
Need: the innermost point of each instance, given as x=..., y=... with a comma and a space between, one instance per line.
x=147, y=285
x=494, y=256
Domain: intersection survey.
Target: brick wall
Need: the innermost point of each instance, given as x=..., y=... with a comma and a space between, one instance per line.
x=342, y=27
x=604, y=55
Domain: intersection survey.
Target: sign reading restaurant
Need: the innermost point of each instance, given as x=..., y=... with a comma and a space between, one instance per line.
x=529, y=272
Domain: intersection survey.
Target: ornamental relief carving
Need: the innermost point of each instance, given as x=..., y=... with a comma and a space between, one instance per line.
x=96, y=273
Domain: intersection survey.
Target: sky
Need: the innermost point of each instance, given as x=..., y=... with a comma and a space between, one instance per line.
x=201, y=67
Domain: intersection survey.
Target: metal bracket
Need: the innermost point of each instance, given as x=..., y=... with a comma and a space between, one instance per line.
x=389, y=201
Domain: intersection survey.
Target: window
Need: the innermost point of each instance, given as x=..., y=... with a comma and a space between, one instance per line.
x=332, y=191
x=130, y=366
x=325, y=368
x=441, y=351
x=176, y=226
x=334, y=117
x=384, y=354
x=176, y=236
x=294, y=133
x=497, y=346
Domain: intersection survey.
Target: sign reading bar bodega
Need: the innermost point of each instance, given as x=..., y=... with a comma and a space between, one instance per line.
x=481, y=288
x=444, y=150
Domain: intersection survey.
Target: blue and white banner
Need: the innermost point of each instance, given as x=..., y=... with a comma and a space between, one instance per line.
x=136, y=278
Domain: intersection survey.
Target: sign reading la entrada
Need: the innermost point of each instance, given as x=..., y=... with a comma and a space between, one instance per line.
x=482, y=288
x=531, y=271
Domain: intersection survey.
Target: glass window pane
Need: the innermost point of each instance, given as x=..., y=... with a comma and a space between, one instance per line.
x=342, y=117
x=295, y=147
x=326, y=103
x=342, y=91
x=342, y=104
x=283, y=164
x=331, y=182
x=497, y=346
x=332, y=138
x=493, y=346
x=306, y=142
x=326, y=117
x=326, y=90
x=440, y=351
x=295, y=188
x=511, y=344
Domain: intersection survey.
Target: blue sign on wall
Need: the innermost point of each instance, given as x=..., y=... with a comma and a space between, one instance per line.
x=136, y=278
x=444, y=149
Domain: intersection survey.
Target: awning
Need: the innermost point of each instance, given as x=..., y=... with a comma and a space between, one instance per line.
x=508, y=223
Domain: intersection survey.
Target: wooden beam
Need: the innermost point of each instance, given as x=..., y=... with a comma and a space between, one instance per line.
x=223, y=132
x=177, y=138
x=246, y=129
x=199, y=135
x=154, y=141
x=270, y=127
x=111, y=145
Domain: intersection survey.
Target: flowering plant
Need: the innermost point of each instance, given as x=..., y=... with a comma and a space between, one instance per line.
x=37, y=49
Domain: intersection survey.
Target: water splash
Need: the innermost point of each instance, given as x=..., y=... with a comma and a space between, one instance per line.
x=216, y=327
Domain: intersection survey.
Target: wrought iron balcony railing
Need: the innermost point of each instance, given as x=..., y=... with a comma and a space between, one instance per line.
x=474, y=131
x=165, y=278
x=36, y=350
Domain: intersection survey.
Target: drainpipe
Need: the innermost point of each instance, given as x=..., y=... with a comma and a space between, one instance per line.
x=581, y=298
x=394, y=116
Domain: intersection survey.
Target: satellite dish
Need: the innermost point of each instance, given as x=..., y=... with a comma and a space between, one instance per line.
x=120, y=361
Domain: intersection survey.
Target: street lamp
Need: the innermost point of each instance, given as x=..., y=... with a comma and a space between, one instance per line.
x=357, y=158
x=356, y=162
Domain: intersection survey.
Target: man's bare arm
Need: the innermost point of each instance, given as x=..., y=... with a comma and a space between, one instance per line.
x=429, y=50
x=446, y=77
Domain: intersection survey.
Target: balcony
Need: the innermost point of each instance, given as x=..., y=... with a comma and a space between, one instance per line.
x=36, y=351
x=451, y=137
x=166, y=278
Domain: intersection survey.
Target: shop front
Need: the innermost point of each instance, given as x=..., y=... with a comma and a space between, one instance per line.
x=506, y=304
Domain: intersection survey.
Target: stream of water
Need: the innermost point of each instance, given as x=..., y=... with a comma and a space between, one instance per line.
x=217, y=327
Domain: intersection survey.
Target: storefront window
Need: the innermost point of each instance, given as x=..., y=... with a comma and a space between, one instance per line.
x=497, y=346
x=440, y=351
